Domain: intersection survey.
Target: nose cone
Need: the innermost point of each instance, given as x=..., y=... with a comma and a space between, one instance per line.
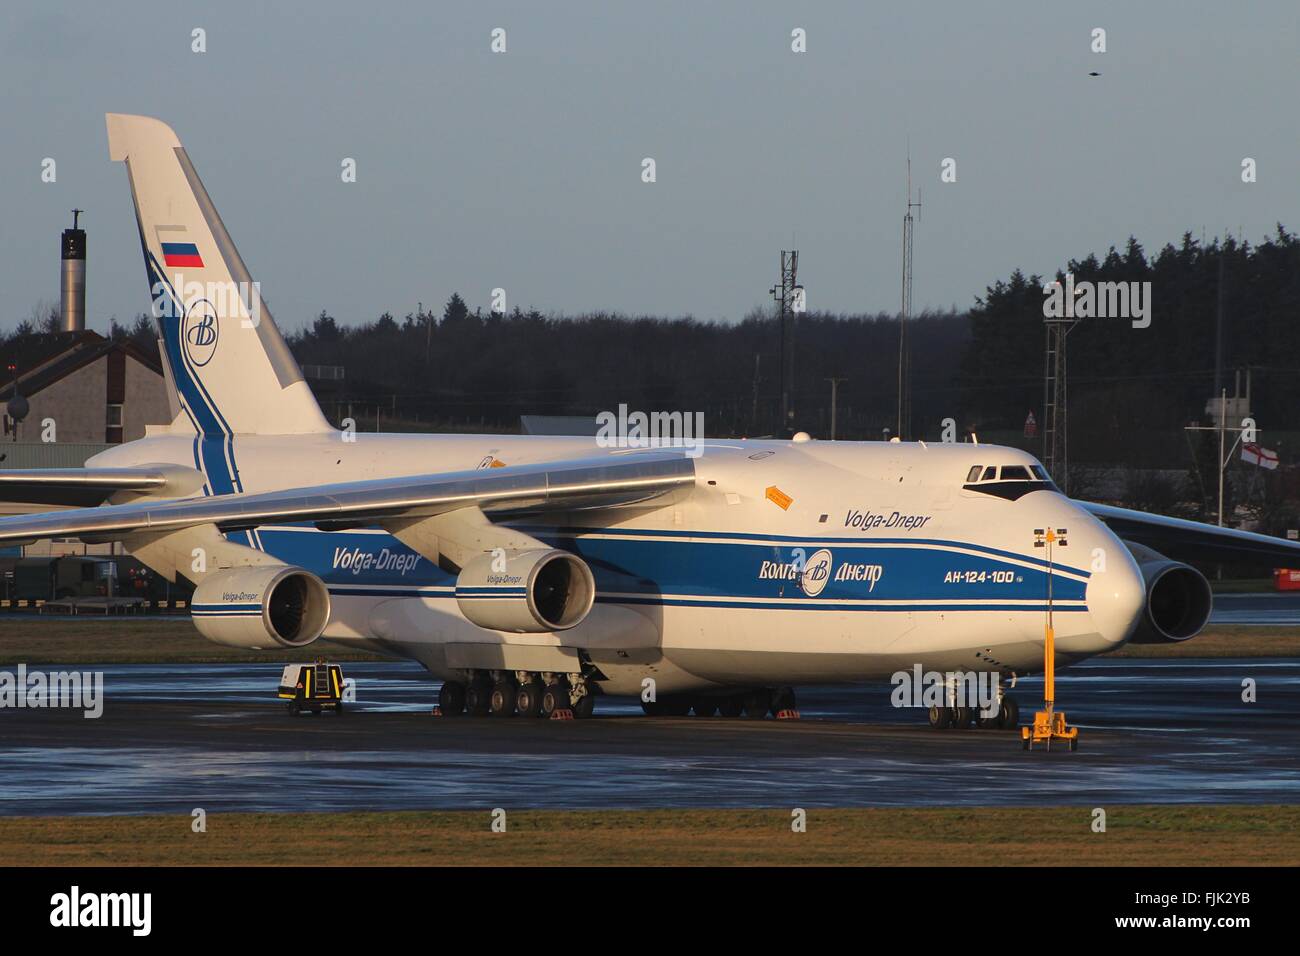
x=1116, y=596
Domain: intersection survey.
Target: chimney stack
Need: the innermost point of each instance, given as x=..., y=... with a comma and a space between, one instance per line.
x=72, y=278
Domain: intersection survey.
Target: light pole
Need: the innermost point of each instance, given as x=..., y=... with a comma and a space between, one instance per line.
x=835, y=384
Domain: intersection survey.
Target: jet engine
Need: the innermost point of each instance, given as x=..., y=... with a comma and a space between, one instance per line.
x=525, y=591
x=261, y=607
x=1179, y=599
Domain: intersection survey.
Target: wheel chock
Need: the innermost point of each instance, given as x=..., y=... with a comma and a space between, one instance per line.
x=437, y=711
x=562, y=714
x=789, y=713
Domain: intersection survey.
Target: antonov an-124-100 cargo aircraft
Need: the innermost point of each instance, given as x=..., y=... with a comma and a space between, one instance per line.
x=532, y=574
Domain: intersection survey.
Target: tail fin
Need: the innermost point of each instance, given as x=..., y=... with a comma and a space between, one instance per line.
x=230, y=368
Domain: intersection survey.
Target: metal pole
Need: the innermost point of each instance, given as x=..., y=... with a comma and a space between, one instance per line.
x=835, y=384
x=1223, y=416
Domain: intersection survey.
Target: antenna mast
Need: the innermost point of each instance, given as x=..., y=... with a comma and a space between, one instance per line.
x=904, y=355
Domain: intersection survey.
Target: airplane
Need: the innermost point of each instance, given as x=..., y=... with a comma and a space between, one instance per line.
x=532, y=575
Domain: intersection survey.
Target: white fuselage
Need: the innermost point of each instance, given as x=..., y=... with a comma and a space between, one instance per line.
x=788, y=563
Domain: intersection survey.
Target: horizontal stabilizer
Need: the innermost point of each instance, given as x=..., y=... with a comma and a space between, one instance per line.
x=21, y=490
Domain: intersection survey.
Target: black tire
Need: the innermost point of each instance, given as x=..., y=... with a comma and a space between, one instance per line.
x=988, y=723
x=585, y=705
x=1074, y=744
x=940, y=718
x=732, y=706
x=757, y=704
x=478, y=697
x=555, y=697
x=338, y=708
x=1009, y=713
x=315, y=711
x=961, y=718
x=501, y=702
x=704, y=706
x=528, y=700
x=673, y=705
x=784, y=699
x=652, y=708
x=451, y=698
x=292, y=707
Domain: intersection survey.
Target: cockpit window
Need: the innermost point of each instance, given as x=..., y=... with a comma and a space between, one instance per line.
x=982, y=473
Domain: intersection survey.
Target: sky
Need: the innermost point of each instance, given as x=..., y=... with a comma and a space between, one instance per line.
x=523, y=170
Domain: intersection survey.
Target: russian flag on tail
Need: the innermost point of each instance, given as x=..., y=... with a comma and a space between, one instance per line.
x=182, y=254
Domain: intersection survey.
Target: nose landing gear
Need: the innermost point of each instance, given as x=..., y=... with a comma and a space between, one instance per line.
x=1007, y=716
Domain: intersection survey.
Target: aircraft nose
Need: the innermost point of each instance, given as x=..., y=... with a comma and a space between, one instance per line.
x=1116, y=596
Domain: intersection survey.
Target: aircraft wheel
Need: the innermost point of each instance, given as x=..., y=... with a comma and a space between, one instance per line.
x=478, y=698
x=961, y=717
x=501, y=702
x=674, y=705
x=988, y=723
x=704, y=706
x=555, y=697
x=940, y=718
x=757, y=704
x=585, y=705
x=784, y=699
x=451, y=698
x=732, y=706
x=1009, y=713
x=528, y=700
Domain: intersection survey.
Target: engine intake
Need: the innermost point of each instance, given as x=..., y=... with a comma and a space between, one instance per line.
x=1179, y=599
x=261, y=607
x=526, y=592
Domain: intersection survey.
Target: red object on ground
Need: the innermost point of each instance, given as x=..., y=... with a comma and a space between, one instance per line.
x=1286, y=579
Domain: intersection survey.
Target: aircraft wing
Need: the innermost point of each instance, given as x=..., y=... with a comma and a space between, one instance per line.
x=612, y=481
x=1196, y=541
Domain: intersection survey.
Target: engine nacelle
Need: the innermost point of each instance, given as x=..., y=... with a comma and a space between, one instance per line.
x=526, y=592
x=1179, y=599
x=261, y=607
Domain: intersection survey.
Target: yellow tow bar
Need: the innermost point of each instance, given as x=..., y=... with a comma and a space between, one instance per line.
x=1049, y=724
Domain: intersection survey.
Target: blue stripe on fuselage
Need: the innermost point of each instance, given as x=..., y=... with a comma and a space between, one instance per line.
x=668, y=567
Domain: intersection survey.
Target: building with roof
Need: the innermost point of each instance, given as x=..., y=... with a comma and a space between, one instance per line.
x=93, y=390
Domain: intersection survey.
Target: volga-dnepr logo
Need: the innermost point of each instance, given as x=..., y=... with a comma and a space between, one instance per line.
x=200, y=332
x=816, y=572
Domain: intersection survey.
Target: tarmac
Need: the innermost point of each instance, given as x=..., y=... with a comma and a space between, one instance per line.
x=175, y=737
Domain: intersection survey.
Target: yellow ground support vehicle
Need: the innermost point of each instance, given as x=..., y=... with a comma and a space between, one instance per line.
x=313, y=687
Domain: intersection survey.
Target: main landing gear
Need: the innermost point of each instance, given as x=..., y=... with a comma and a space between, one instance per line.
x=521, y=693
x=754, y=704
